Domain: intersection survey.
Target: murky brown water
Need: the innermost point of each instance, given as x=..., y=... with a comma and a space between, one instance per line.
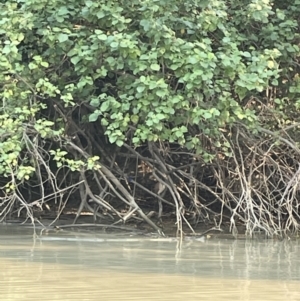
x=118, y=267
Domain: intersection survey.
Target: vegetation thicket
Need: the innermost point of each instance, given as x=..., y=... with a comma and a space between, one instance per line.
x=101, y=100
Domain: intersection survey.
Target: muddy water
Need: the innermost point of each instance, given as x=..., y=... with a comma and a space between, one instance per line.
x=85, y=266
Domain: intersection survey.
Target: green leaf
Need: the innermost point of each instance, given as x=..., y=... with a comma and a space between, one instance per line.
x=160, y=116
x=119, y=143
x=152, y=85
x=94, y=116
x=112, y=139
x=178, y=134
x=62, y=37
x=114, y=44
x=134, y=119
x=104, y=122
x=45, y=64
x=135, y=140
x=174, y=67
x=140, y=89
x=95, y=102
x=149, y=122
x=183, y=129
x=193, y=60
x=155, y=67
x=278, y=101
x=75, y=60
x=102, y=37
x=104, y=106
x=271, y=64
x=207, y=115
x=161, y=93
x=246, y=54
x=175, y=99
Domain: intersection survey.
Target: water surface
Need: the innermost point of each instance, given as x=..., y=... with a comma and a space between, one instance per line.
x=95, y=266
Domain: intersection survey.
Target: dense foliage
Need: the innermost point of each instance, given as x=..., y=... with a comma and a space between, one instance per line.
x=203, y=94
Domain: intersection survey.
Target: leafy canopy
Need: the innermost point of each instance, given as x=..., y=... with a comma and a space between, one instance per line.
x=170, y=70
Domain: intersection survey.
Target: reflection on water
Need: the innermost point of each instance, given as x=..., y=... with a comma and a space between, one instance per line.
x=110, y=267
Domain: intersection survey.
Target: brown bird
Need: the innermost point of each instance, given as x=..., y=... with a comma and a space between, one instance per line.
x=159, y=188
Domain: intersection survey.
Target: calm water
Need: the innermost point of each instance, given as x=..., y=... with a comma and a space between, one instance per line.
x=65, y=266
